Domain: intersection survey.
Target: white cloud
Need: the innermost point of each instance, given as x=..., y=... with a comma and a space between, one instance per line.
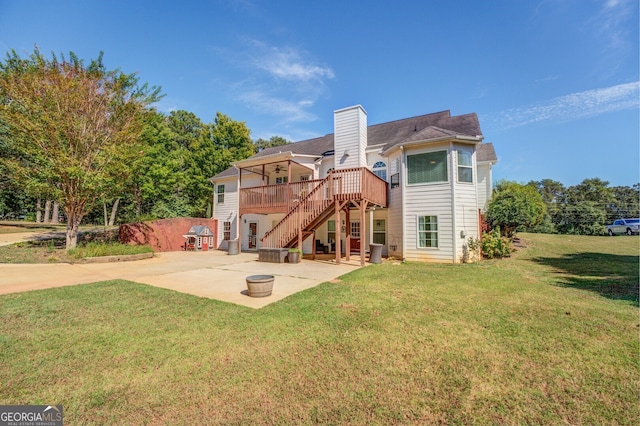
x=611, y=20
x=288, y=63
x=572, y=107
x=291, y=111
x=284, y=82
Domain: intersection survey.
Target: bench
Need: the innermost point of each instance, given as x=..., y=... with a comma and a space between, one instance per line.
x=272, y=255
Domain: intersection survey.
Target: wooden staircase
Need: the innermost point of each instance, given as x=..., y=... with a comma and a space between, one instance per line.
x=341, y=186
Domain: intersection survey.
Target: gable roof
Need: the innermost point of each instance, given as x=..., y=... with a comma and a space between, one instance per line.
x=486, y=153
x=436, y=125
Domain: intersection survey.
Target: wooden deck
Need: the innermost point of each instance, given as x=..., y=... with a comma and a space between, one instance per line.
x=340, y=185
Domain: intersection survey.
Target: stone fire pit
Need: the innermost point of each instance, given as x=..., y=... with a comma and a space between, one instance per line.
x=260, y=285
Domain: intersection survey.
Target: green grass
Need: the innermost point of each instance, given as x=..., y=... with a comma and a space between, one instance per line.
x=96, y=249
x=548, y=336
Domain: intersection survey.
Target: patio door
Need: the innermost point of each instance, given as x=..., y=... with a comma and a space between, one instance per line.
x=355, y=237
x=253, y=232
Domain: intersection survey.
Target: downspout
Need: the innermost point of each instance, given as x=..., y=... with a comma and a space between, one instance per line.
x=403, y=221
x=453, y=206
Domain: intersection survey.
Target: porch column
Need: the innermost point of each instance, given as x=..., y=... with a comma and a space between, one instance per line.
x=338, y=235
x=363, y=229
x=347, y=242
x=238, y=212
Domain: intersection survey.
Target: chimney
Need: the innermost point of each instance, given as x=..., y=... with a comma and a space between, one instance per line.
x=350, y=137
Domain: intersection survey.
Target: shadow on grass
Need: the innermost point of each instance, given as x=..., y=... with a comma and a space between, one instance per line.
x=612, y=276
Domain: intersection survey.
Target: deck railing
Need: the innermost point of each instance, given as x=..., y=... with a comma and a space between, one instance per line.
x=340, y=185
x=275, y=198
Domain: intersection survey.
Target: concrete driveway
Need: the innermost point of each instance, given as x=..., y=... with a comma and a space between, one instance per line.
x=212, y=274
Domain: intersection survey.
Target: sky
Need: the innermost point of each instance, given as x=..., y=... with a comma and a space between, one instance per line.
x=555, y=83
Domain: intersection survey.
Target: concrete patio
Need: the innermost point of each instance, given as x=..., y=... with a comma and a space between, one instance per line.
x=212, y=274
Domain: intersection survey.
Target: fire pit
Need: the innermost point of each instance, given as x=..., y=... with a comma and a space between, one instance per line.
x=260, y=285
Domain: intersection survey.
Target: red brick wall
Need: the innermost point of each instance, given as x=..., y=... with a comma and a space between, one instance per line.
x=164, y=234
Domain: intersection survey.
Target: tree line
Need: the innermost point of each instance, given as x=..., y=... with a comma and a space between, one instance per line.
x=547, y=206
x=83, y=142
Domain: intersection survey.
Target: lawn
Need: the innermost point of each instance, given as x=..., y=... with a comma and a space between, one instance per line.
x=548, y=336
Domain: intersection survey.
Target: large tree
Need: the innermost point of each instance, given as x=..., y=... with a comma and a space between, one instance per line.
x=514, y=205
x=71, y=130
x=261, y=144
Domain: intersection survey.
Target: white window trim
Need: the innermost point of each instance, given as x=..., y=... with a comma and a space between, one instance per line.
x=463, y=166
x=218, y=194
x=418, y=216
x=440, y=182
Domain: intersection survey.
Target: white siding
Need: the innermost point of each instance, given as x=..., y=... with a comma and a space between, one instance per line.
x=466, y=207
x=325, y=166
x=484, y=185
x=350, y=135
x=226, y=211
x=394, y=212
x=430, y=199
x=264, y=224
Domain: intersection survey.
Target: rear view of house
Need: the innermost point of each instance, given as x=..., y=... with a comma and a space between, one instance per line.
x=417, y=186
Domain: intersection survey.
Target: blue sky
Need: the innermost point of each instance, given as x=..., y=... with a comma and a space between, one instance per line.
x=554, y=82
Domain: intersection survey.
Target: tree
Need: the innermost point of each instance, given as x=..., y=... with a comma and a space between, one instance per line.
x=261, y=144
x=626, y=202
x=71, y=129
x=232, y=141
x=514, y=205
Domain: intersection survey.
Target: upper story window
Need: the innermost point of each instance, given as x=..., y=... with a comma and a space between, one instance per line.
x=465, y=167
x=282, y=179
x=220, y=192
x=380, y=170
x=428, y=167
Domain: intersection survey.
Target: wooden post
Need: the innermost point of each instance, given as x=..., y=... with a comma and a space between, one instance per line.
x=338, y=235
x=363, y=229
x=300, y=233
x=347, y=220
x=313, y=256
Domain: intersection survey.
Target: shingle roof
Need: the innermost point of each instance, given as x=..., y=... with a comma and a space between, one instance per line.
x=485, y=152
x=422, y=127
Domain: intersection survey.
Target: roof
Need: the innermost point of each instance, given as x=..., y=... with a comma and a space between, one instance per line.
x=198, y=230
x=486, y=153
x=436, y=125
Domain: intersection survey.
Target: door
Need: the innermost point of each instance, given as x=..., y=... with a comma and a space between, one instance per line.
x=253, y=232
x=355, y=236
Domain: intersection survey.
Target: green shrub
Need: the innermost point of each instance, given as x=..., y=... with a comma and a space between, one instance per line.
x=95, y=249
x=494, y=245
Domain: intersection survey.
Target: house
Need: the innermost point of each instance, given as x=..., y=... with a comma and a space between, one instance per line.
x=417, y=186
x=199, y=237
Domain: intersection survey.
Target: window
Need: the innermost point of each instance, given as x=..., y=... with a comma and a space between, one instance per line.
x=355, y=229
x=282, y=179
x=465, y=167
x=427, y=167
x=226, y=229
x=331, y=231
x=427, y=231
x=220, y=194
x=395, y=180
x=379, y=231
x=305, y=178
x=380, y=170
